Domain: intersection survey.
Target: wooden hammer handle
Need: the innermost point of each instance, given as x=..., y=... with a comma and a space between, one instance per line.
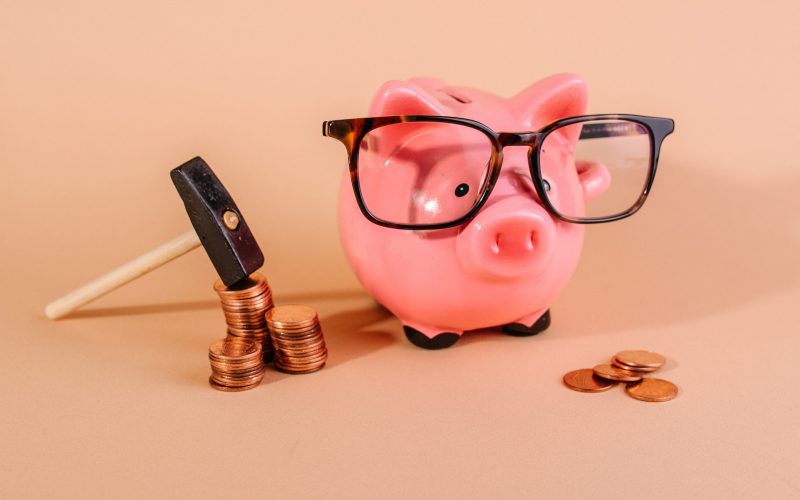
x=123, y=274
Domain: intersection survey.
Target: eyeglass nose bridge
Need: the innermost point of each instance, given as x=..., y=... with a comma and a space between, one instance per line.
x=530, y=139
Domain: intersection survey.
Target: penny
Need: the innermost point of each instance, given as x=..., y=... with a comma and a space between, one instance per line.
x=289, y=333
x=242, y=288
x=244, y=305
x=237, y=381
x=652, y=390
x=236, y=364
x=238, y=373
x=291, y=316
x=640, y=359
x=226, y=388
x=229, y=348
x=297, y=339
x=611, y=372
x=291, y=367
x=303, y=358
x=257, y=334
x=303, y=353
x=299, y=371
x=297, y=343
x=294, y=333
x=584, y=380
x=616, y=363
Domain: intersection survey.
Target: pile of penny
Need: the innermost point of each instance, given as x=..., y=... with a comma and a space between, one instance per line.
x=236, y=364
x=296, y=339
x=629, y=367
x=244, y=305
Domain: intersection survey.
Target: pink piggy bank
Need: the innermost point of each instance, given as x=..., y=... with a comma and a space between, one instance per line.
x=446, y=225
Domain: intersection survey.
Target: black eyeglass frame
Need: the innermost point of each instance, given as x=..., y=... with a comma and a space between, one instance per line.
x=352, y=131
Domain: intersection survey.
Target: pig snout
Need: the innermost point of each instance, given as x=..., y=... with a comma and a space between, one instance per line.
x=510, y=238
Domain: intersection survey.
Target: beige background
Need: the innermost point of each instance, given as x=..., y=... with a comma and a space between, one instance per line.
x=98, y=100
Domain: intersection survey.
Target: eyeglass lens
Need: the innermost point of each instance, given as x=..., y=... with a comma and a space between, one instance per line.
x=612, y=163
x=422, y=172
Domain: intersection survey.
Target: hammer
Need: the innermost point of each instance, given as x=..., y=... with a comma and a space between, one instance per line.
x=218, y=226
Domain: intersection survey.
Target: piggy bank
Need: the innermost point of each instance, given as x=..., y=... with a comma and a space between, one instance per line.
x=505, y=264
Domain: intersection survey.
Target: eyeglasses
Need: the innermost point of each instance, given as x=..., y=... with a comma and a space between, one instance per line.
x=435, y=172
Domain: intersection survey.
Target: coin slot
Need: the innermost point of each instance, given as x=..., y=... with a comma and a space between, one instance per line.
x=456, y=95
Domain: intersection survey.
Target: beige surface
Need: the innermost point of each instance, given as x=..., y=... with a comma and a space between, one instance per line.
x=98, y=100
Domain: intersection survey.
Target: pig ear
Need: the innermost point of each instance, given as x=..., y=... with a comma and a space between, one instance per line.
x=405, y=98
x=555, y=97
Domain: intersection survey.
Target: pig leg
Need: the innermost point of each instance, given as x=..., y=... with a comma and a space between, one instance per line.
x=538, y=322
x=429, y=338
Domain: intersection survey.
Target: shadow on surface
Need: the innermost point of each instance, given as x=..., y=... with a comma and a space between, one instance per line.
x=352, y=334
x=311, y=296
x=700, y=246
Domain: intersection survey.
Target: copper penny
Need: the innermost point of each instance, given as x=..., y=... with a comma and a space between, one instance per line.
x=237, y=382
x=236, y=366
x=251, y=284
x=301, y=359
x=640, y=359
x=611, y=372
x=652, y=390
x=291, y=315
x=584, y=380
x=296, y=371
x=248, y=332
x=226, y=388
x=231, y=348
x=632, y=368
x=232, y=373
x=294, y=332
x=303, y=345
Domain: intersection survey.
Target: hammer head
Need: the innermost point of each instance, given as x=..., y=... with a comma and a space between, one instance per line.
x=215, y=217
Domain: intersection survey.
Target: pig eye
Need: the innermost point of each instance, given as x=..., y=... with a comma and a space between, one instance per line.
x=462, y=190
x=546, y=185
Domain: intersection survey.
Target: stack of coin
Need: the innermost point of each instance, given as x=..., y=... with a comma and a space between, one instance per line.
x=236, y=364
x=638, y=361
x=625, y=366
x=297, y=339
x=244, y=305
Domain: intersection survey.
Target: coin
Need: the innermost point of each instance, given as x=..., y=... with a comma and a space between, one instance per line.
x=236, y=364
x=616, y=363
x=288, y=341
x=226, y=388
x=611, y=372
x=652, y=390
x=297, y=339
x=316, y=347
x=229, y=348
x=299, y=371
x=291, y=316
x=241, y=288
x=236, y=381
x=238, y=372
x=244, y=305
x=640, y=359
x=584, y=380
